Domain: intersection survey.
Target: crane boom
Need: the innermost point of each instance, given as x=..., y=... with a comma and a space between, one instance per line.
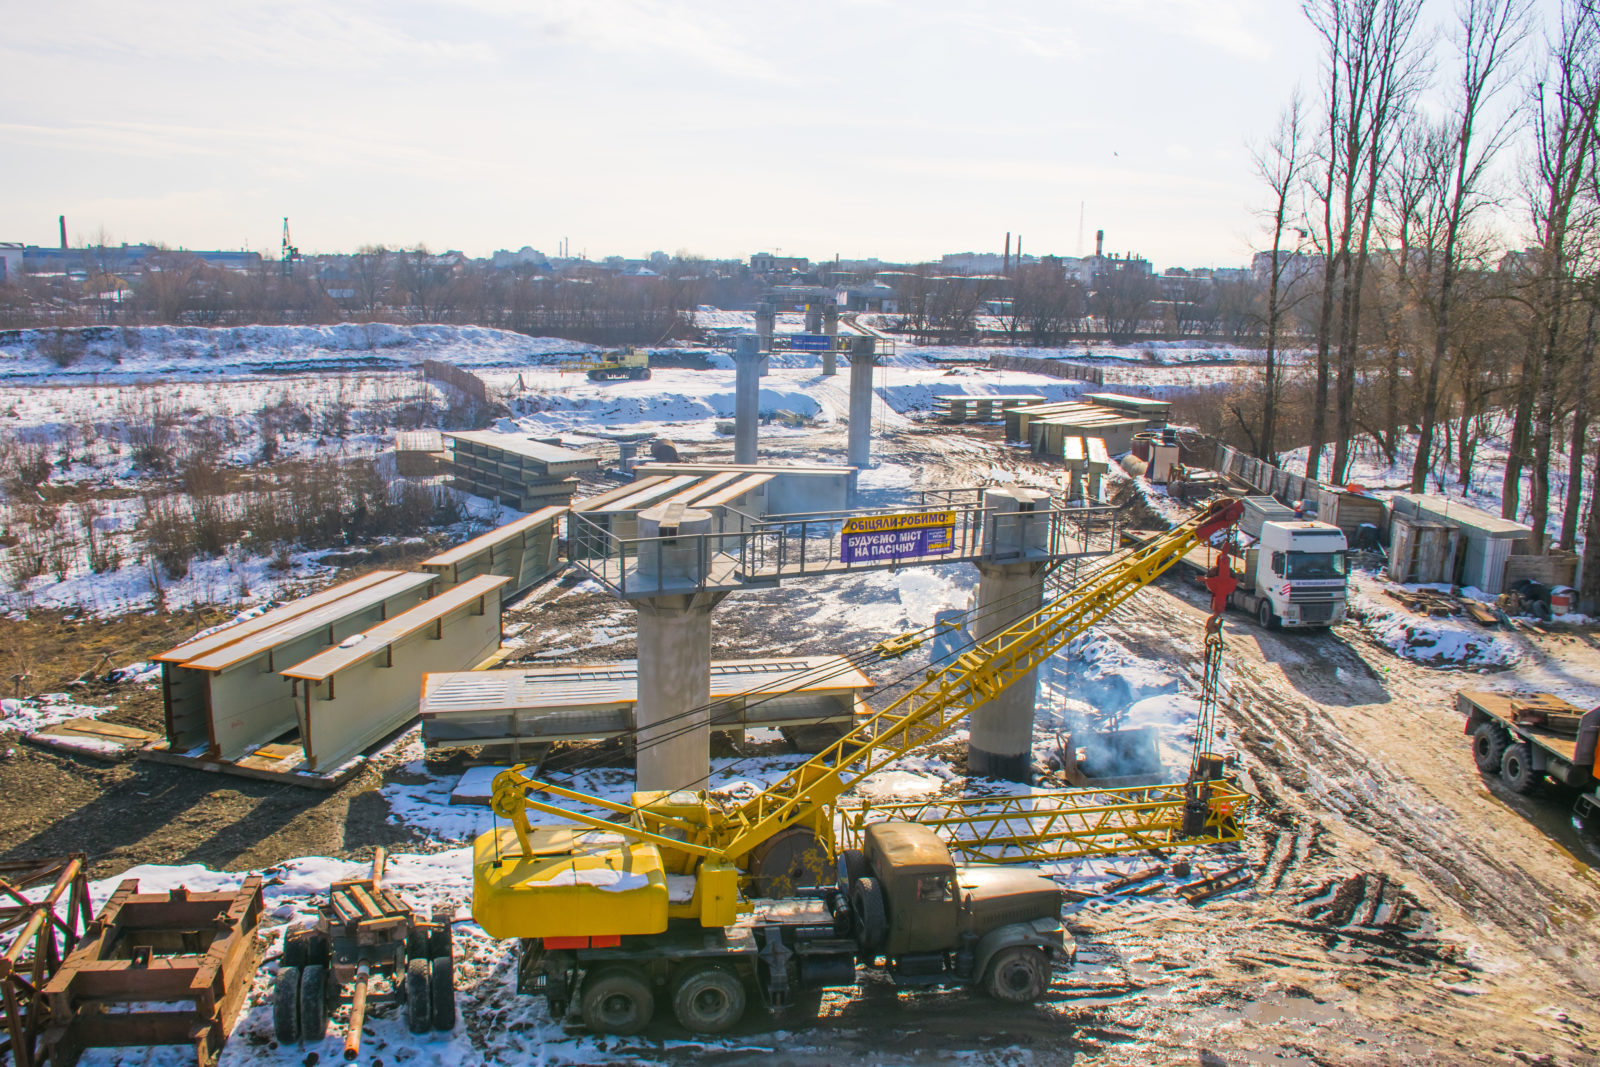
x=977, y=676
x=807, y=798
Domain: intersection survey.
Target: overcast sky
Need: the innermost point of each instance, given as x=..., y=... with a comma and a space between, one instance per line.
x=896, y=128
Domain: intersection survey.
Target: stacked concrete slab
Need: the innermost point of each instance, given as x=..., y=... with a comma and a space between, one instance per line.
x=518, y=471
x=546, y=705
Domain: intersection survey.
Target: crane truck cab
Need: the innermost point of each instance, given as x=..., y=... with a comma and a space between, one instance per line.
x=933, y=923
x=1294, y=575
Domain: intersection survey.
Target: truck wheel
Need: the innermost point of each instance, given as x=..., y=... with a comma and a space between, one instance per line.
x=617, y=1001
x=1516, y=767
x=286, y=1005
x=314, y=1003
x=708, y=1000
x=1265, y=616
x=852, y=865
x=1488, y=747
x=418, y=1002
x=1018, y=975
x=442, y=991
x=866, y=904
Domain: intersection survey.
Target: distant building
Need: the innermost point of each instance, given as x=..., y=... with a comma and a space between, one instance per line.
x=50, y=259
x=767, y=263
x=11, y=262
x=1292, y=266
x=522, y=257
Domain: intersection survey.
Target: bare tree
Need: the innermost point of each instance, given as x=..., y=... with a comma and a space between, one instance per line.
x=1278, y=164
x=1488, y=33
x=1566, y=107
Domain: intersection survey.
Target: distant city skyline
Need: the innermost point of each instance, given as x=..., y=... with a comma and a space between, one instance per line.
x=859, y=128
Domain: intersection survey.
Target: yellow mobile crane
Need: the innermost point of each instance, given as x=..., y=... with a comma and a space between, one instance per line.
x=611, y=911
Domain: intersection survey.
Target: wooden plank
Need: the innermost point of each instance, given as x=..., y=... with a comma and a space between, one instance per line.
x=266, y=770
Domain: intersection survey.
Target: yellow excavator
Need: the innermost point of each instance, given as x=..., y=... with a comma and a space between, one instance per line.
x=706, y=902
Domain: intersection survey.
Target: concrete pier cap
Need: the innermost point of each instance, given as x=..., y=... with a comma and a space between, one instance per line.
x=1017, y=523
x=673, y=556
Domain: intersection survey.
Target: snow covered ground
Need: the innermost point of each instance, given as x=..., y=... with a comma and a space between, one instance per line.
x=135, y=353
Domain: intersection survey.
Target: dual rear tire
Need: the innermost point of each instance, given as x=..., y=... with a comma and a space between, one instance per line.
x=706, y=999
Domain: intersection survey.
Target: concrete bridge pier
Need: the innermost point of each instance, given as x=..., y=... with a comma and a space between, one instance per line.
x=747, y=361
x=766, y=323
x=863, y=359
x=1010, y=588
x=830, y=326
x=813, y=317
x=673, y=743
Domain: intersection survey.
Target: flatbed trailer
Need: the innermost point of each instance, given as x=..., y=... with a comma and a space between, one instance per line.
x=1527, y=739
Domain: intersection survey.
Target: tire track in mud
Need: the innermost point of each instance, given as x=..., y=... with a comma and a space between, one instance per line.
x=1305, y=764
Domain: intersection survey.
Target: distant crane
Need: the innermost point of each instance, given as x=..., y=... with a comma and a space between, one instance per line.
x=290, y=252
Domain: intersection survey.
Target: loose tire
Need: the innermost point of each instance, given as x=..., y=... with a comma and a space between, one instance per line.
x=1265, y=616
x=418, y=998
x=442, y=986
x=617, y=1001
x=295, y=951
x=1488, y=747
x=286, y=1005
x=708, y=1000
x=314, y=1003
x=1516, y=768
x=872, y=924
x=439, y=940
x=1018, y=975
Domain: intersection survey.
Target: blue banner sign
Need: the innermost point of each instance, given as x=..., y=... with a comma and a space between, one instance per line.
x=876, y=538
x=810, y=342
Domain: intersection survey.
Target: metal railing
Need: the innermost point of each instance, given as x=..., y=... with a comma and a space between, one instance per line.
x=745, y=551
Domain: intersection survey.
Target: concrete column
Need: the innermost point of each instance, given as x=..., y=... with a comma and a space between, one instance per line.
x=673, y=742
x=862, y=361
x=766, y=322
x=813, y=317
x=747, y=360
x=830, y=326
x=1010, y=588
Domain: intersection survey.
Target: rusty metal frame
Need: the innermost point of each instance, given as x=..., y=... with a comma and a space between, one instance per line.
x=36, y=933
x=152, y=950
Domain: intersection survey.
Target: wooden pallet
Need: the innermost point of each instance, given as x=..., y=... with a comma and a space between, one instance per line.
x=93, y=738
x=276, y=762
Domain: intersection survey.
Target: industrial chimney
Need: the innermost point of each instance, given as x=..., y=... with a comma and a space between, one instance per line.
x=1006, y=264
x=1099, y=243
x=62, y=220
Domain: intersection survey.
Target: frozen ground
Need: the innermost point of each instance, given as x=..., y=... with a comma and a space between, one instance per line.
x=136, y=353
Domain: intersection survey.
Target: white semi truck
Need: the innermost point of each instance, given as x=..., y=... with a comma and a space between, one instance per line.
x=1293, y=576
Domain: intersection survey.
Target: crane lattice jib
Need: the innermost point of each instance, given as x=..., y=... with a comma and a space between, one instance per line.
x=948, y=694
x=1050, y=826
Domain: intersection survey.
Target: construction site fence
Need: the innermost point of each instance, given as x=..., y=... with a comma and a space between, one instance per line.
x=462, y=381
x=1053, y=368
x=1345, y=510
